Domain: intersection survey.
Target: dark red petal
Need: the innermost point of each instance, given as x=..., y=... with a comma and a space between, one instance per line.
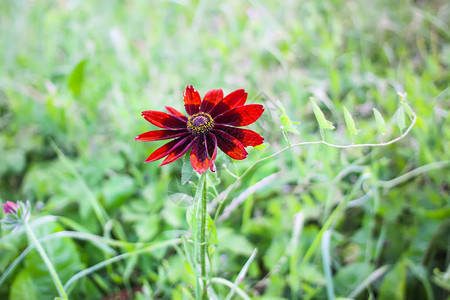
x=163, y=120
x=192, y=100
x=211, y=140
x=211, y=98
x=229, y=145
x=245, y=136
x=234, y=99
x=166, y=148
x=178, y=150
x=241, y=116
x=176, y=113
x=157, y=135
x=199, y=155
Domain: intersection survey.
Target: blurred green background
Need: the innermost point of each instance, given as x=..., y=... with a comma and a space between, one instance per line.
x=75, y=76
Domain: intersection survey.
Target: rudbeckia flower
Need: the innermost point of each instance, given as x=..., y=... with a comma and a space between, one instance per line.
x=211, y=123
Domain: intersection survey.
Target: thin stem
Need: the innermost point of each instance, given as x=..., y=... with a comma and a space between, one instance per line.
x=114, y=259
x=323, y=142
x=413, y=173
x=48, y=263
x=198, y=227
x=203, y=241
x=231, y=285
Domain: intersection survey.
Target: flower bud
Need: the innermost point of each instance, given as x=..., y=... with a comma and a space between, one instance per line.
x=10, y=208
x=15, y=214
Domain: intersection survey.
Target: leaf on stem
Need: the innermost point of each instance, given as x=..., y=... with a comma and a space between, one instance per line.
x=76, y=78
x=400, y=116
x=406, y=106
x=350, y=123
x=186, y=171
x=320, y=117
x=286, y=123
x=381, y=124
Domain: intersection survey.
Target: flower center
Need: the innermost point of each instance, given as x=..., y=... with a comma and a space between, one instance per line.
x=200, y=123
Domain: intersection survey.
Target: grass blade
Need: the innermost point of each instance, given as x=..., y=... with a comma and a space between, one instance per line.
x=241, y=275
x=326, y=259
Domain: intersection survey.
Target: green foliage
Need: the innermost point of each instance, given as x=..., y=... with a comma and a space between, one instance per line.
x=75, y=76
x=394, y=284
x=33, y=280
x=24, y=288
x=350, y=123
x=320, y=117
x=286, y=123
x=381, y=124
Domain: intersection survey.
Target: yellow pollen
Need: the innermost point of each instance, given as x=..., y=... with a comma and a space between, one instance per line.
x=200, y=123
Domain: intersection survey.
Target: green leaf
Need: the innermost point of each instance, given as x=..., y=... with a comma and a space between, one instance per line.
x=350, y=276
x=233, y=242
x=286, y=123
x=311, y=273
x=381, y=124
x=406, y=106
x=400, y=116
x=350, y=123
x=210, y=227
x=190, y=216
x=76, y=77
x=320, y=117
x=23, y=287
x=34, y=279
x=394, y=284
x=275, y=250
x=117, y=190
x=148, y=227
x=421, y=273
x=186, y=171
x=326, y=261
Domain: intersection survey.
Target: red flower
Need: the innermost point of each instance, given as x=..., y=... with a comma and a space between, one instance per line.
x=211, y=124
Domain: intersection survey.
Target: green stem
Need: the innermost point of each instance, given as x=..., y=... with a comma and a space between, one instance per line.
x=48, y=263
x=203, y=241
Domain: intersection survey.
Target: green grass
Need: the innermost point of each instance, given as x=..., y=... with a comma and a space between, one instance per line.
x=75, y=75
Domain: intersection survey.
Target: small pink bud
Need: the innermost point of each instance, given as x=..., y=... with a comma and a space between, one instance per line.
x=10, y=207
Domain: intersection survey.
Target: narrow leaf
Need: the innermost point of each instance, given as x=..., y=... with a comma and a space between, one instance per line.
x=394, y=283
x=400, y=116
x=350, y=123
x=241, y=275
x=286, y=123
x=186, y=171
x=320, y=117
x=406, y=106
x=326, y=261
x=76, y=77
x=366, y=282
x=381, y=124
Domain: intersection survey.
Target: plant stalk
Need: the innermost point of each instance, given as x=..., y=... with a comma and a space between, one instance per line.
x=203, y=242
x=48, y=263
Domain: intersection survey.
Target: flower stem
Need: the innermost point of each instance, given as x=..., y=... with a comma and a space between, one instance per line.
x=48, y=263
x=203, y=242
